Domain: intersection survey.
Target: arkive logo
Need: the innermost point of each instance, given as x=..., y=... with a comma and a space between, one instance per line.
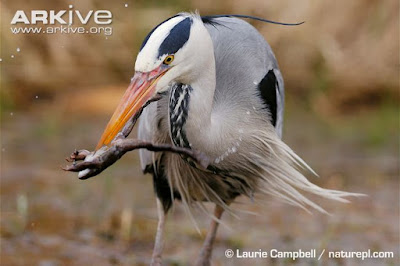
x=61, y=21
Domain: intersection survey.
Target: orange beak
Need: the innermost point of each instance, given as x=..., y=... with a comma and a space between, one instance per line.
x=139, y=92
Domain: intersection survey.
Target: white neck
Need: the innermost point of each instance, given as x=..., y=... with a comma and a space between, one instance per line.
x=199, y=124
x=200, y=74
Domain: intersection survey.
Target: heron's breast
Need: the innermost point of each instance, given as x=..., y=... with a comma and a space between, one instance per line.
x=178, y=113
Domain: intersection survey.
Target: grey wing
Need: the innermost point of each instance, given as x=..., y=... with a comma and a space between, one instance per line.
x=250, y=61
x=147, y=124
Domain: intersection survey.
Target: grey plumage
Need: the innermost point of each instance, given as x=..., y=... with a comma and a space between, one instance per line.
x=243, y=58
x=210, y=97
x=248, y=155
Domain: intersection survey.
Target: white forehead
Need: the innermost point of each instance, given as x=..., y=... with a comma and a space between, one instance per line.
x=147, y=59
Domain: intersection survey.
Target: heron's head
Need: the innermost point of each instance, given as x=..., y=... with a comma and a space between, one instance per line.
x=177, y=50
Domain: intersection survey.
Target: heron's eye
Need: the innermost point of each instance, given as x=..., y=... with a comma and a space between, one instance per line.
x=168, y=60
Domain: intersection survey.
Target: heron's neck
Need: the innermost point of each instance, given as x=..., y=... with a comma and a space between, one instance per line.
x=201, y=102
x=202, y=98
x=190, y=107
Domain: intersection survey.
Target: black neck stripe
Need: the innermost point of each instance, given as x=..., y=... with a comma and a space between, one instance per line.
x=178, y=112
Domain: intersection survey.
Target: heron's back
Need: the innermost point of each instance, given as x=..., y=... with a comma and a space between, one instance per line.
x=242, y=58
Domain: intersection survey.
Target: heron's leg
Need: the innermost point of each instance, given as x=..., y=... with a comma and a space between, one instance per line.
x=159, y=241
x=206, y=251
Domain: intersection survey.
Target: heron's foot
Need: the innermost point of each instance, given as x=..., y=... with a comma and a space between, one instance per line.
x=203, y=261
x=204, y=258
x=156, y=261
x=93, y=163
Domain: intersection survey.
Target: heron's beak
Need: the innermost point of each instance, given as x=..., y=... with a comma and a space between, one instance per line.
x=139, y=92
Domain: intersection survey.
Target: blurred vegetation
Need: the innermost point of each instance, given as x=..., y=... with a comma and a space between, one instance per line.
x=341, y=70
x=343, y=60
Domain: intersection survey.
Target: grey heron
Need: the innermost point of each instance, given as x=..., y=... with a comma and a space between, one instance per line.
x=212, y=84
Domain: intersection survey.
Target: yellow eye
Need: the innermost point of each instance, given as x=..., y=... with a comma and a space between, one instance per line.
x=168, y=60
